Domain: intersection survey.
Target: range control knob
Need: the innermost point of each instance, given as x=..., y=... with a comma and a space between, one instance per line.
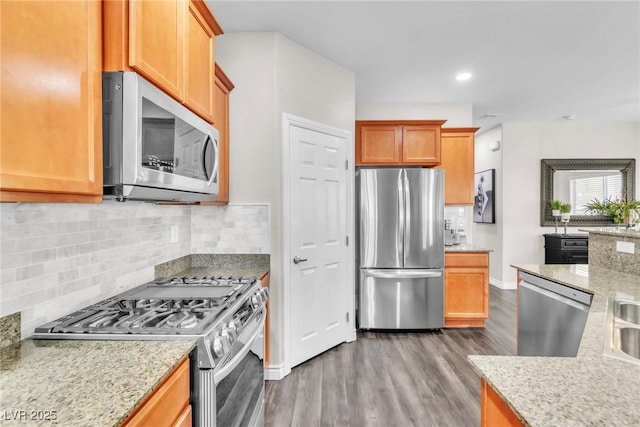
x=265, y=293
x=235, y=327
x=228, y=337
x=218, y=348
x=255, y=301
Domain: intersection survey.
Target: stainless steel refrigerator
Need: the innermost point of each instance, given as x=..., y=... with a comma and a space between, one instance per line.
x=401, y=248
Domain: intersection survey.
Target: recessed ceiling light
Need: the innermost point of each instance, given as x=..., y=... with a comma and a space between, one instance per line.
x=463, y=76
x=569, y=117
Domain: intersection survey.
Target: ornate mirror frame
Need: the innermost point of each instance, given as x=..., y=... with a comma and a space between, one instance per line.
x=548, y=166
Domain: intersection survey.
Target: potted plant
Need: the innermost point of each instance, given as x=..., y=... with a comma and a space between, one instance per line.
x=565, y=211
x=555, y=207
x=621, y=210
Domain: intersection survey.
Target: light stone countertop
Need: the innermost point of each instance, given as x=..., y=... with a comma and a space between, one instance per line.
x=86, y=383
x=613, y=231
x=589, y=389
x=225, y=265
x=466, y=247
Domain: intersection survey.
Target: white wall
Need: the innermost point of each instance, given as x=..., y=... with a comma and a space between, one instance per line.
x=490, y=235
x=57, y=258
x=518, y=175
x=273, y=75
x=456, y=115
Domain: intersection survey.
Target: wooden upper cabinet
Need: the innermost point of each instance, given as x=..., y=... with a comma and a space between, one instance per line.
x=171, y=43
x=51, y=85
x=157, y=43
x=223, y=86
x=458, y=161
x=421, y=145
x=378, y=144
x=387, y=143
x=200, y=54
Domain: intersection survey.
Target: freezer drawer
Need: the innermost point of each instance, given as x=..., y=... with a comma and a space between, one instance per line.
x=401, y=299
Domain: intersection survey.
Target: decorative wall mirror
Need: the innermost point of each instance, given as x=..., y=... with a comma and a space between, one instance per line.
x=579, y=181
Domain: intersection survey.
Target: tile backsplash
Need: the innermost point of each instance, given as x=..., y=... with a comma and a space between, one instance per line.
x=55, y=258
x=230, y=229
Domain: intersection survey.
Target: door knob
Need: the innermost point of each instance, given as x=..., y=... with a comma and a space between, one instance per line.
x=297, y=259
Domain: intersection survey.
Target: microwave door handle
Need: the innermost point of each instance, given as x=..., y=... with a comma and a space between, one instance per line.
x=210, y=175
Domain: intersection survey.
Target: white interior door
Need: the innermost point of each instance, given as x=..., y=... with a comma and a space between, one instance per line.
x=318, y=213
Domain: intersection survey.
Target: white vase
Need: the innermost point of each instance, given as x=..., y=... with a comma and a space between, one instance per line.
x=555, y=212
x=565, y=216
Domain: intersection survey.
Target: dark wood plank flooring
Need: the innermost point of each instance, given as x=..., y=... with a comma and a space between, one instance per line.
x=394, y=379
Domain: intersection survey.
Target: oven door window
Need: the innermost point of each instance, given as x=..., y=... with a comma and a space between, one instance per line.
x=240, y=392
x=171, y=145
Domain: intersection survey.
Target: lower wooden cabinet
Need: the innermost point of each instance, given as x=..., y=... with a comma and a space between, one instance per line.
x=494, y=411
x=466, y=289
x=168, y=405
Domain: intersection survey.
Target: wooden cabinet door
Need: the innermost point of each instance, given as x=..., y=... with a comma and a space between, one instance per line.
x=167, y=404
x=421, y=145
x=156, y=42
x=466, y=289
x=457, y=159
x=466, y=298
x=51, y=85
x=378, y=144
x=494, y=411
x=199, y=77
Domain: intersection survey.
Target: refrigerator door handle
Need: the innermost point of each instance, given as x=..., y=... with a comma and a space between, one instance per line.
x=406, y=195
x=403, y=274
x=401, y=214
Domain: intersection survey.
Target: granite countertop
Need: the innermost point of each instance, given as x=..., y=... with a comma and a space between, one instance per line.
x=613, y=231
x=589, y=389
x=81, y=382
x=466, y=247
x=245, y=265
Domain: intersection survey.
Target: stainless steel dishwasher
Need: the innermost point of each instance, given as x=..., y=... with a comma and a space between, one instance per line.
x=551, y=317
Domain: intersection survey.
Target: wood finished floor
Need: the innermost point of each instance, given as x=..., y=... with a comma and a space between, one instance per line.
x=394, y=379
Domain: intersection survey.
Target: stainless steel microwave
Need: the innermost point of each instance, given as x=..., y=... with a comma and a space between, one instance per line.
x=154, y=148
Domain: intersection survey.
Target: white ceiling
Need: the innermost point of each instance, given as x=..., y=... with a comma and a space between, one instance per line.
x=534, y=61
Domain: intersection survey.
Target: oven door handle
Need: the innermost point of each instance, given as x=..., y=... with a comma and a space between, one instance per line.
x=233, y=363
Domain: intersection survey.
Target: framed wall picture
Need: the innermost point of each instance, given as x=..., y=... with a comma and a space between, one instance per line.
x=484, y=200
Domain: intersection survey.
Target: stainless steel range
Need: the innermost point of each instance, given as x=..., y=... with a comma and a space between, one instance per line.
x=225, y=315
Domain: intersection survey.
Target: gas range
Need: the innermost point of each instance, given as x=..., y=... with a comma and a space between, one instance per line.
x=211, y=310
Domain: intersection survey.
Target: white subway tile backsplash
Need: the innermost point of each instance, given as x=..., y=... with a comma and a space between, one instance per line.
x=56, y=258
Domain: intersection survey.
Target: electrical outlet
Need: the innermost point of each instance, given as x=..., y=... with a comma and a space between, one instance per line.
x=626, y=247
x=174, y=234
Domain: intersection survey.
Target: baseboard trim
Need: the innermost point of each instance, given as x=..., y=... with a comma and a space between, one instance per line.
x=275, y=372
x=502, y=285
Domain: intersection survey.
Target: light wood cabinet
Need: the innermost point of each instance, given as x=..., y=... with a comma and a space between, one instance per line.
x=387, y=142
x=458, y=161
x=171, y=43
x=168, y=405
x=51, y=85
x=156, y=42
x=200, y=92
x=223, y=86
x=494, y=411
x=466, y=289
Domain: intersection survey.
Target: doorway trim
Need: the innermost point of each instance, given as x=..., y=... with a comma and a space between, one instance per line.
x=289, y=120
